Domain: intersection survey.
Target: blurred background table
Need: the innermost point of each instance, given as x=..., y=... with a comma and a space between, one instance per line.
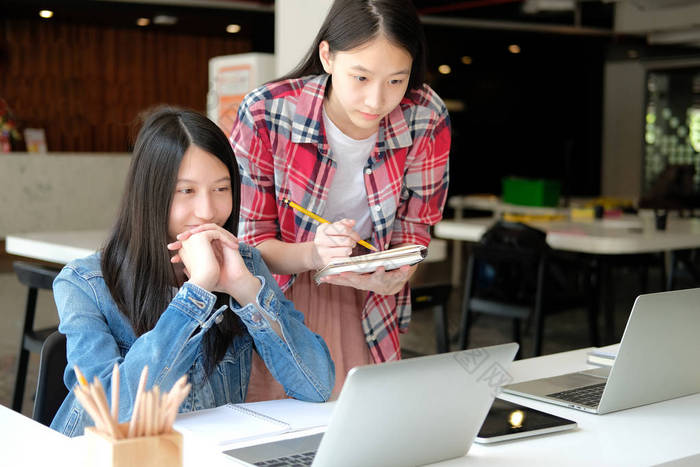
x=608, y=242
x=56, y=247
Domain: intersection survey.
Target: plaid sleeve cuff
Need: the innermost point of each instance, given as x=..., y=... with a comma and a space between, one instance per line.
x=408, y=232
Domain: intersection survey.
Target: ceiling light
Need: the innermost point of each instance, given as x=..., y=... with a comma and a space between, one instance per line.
x=514, y=48
x=143, y=22
x=454, y=105
x=164, y=20
x=444, y=69
x=535, y=6
x=233, y=28
x=467, y=60
x=46, y=14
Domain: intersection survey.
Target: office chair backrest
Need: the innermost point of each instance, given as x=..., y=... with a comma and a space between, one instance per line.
x=515, y=236
x=50, y=389
x=35, y=275
x=507, y=260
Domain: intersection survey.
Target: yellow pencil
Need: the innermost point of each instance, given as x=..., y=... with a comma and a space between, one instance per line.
x=320, y=219
x=81, y=378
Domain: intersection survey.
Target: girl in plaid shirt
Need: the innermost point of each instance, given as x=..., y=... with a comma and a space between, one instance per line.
x=354, y=135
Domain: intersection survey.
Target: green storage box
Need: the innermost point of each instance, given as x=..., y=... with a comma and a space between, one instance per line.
x=529, y=192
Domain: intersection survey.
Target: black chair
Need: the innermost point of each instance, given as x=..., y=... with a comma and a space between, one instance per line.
x=35, y=277
x=434, y=297
x=506, y=276
x=685, y=269
x=50, y=389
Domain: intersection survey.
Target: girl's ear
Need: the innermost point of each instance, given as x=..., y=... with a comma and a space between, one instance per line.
x=324, y=53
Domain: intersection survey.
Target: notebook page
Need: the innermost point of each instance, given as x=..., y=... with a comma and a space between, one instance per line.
x=386, y=254
x=299, y=415
x=229, y=423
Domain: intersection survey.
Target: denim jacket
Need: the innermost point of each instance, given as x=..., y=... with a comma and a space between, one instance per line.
x=98, y=335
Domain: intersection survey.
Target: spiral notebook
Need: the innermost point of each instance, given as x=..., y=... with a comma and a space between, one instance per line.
x=390, y=259
x=232, y=423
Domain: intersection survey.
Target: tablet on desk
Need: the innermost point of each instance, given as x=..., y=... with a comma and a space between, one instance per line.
x=506, y=421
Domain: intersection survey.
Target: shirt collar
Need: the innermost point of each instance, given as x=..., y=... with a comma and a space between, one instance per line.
x=306, y=125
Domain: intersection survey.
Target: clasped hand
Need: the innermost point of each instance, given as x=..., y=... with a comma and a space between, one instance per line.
x=212, y=261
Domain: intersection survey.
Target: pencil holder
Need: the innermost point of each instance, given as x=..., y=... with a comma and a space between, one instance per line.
x=144, y=451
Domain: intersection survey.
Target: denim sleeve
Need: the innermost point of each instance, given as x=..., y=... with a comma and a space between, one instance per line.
x=300, y=361
x=169, y=349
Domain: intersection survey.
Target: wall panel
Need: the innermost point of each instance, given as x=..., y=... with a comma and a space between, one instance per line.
x=86, y=84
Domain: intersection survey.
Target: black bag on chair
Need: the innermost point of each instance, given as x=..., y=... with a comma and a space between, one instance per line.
x=506, y=263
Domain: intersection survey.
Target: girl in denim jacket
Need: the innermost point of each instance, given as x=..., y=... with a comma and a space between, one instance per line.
x=199, y=306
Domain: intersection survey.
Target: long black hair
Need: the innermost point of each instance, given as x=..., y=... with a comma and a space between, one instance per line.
x=135, y=261
x=351, y=23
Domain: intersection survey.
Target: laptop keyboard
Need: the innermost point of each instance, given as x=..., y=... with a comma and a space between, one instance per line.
x=303, y=459
x=587, y=395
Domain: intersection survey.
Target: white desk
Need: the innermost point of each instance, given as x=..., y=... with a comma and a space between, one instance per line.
x=57, y=247
x=598, y=237
x=26, y=442
x=648, y=435
x=498, y=207
x=63, y=247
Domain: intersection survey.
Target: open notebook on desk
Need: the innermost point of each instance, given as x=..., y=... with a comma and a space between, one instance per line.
x=240, y=422
x=390, y=259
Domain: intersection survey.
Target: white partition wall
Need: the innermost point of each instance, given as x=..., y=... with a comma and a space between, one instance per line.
x=296, y=24
x=60, y=191
x=623, y=132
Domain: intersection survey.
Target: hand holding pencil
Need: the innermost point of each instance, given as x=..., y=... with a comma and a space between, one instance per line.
x=153, y=413
x=321, y=220
x=332, y=241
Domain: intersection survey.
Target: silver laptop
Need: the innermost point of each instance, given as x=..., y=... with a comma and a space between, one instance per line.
x=411, y=412
x=656, y=361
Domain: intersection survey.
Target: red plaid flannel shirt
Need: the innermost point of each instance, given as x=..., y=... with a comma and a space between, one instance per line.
x=282, y=152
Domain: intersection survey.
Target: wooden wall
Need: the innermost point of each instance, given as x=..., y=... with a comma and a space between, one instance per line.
x=85, y=84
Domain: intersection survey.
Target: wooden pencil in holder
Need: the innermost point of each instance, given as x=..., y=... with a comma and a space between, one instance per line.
x=158, y=450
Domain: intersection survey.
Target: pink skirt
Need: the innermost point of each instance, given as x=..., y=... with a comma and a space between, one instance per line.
x=334, y=313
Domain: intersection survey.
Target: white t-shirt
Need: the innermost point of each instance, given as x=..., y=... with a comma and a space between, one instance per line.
x=347, y=197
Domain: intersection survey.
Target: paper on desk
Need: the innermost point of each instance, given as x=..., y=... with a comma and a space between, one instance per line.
x=299, y=415
x=228, y=424
x=240, y=422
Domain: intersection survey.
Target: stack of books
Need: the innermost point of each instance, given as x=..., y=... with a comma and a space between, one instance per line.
x=603, y=356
